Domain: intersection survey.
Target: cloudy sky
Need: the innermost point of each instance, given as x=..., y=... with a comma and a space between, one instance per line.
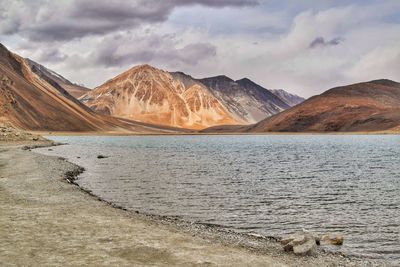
x=304, y=46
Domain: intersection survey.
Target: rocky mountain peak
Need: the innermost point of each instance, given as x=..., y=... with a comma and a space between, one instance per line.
x=220, y=79
x=144, y=69
x=245, y=80
x=148, y=94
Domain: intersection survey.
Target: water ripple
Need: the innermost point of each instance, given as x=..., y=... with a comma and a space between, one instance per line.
x=272, y=185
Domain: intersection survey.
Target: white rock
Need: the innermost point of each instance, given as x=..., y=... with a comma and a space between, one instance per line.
x=306, y=248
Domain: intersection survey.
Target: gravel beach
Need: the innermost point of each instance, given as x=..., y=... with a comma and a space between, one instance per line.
x=46, y=221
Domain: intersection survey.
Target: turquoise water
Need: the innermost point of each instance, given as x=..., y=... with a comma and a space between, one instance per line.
x=271, y=185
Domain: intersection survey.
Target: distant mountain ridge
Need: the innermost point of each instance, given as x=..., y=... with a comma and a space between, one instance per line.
x=73, y=89
x=290, y=99
x=363, y=107
x=244, y=98
x=151, y=95
x=143, y=93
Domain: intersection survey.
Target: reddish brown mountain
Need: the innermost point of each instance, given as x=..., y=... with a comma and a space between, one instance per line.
x=150, y=95
x=35, y=102
x=370, y=106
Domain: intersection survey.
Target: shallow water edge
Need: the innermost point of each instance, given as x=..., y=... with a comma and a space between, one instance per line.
x=263, y=245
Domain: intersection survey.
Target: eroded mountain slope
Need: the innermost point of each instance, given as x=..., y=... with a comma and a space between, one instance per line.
x=148, y=94
x=369, y=106
x=34, y=102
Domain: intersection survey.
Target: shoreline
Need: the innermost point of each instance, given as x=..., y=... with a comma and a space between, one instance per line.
x=219, y=231
x=49, y=133
x=261, y=251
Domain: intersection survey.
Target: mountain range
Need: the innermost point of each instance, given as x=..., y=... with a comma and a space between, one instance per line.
x=145, y=93
x=362, y=107
x=248, y=100
x=145, y=99
x=31, y=99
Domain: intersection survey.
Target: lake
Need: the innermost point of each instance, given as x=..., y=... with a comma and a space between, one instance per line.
x=266, y=184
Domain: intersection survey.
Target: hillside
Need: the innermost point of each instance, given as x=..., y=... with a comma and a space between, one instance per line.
x=151, y=95
x=52, y=77
x=250, y=101
x=31, y=101
x=368, y=106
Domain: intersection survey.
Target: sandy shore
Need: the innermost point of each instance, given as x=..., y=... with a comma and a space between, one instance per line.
x=45, y=221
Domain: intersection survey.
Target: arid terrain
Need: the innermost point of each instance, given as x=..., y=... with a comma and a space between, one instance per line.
x=364, y=107
x=150, y=95
x=248, y=100
x=10, y=134
x=148, y=100
x=31, y=100
x=73, y=89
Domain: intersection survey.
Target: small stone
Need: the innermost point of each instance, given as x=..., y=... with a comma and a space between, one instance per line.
x=288, y=247
x=255, y=235
x=296, y=238
x=286, y=240
x=301, y=243
x=306, y=248
x=333, y=240
x=299, y=240
x=101, y=157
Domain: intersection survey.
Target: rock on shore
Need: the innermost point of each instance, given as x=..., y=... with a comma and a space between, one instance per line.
x=10, y=134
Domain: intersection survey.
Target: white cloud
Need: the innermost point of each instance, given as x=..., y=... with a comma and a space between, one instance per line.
x=381, y=62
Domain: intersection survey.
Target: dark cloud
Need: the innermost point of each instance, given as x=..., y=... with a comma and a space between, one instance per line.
x=216, y=3
x=51, y=55
x=320, y=42
x=115, y=51
x=64, y=20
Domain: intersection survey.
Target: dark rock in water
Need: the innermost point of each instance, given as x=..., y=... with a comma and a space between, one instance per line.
x=101, y=157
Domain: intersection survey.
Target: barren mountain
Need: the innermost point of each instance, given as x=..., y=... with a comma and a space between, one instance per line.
x=290, y=99
x=250, y=101
x=33, y=101
x=369, y=106
x=52, y=77
x=147, y=94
